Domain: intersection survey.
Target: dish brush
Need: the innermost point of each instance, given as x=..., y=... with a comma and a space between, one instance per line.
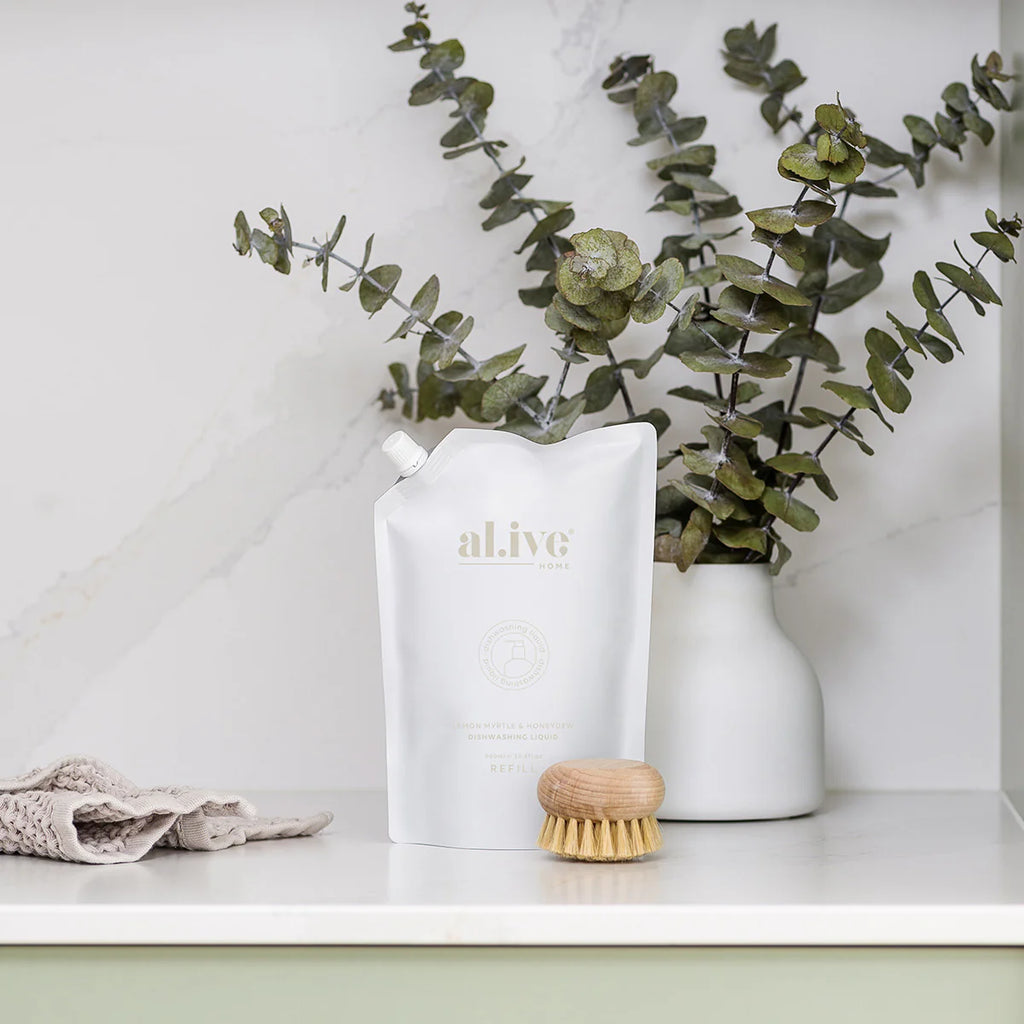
x=600, y=809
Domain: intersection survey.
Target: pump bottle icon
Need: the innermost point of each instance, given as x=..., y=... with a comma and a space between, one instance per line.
x=519, y=661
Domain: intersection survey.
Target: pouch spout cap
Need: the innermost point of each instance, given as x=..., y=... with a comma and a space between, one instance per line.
x=404, y=452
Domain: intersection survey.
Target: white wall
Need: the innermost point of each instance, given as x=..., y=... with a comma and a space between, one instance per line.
x=189, y=439
x=1013, y=445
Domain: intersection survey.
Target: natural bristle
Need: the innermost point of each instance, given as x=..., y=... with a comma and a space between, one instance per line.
x=582, y=839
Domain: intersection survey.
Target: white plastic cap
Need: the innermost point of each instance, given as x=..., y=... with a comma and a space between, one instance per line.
x=404, y=452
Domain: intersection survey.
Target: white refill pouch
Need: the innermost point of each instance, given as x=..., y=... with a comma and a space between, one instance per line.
x=514, y=582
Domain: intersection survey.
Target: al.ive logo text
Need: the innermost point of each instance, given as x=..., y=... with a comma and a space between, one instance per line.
x=544, y=549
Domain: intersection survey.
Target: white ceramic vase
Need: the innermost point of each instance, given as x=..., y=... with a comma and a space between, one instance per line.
x=734, y=710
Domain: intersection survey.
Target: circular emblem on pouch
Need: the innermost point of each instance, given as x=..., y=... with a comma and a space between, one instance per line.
x=513, y=654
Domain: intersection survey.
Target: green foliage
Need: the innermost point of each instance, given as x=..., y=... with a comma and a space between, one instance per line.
x=739, y=323
x=748, y=59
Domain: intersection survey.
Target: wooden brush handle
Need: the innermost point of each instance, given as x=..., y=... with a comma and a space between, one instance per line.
x=601, y=789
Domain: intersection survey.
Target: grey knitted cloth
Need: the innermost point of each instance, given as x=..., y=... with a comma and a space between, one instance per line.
x=80, y=809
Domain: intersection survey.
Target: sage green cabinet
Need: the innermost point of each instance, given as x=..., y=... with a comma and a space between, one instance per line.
x=89, y=985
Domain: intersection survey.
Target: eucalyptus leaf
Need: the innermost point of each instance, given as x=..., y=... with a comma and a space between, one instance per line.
x=548, y=226
x=701, y=336
x=790, y=510
x=575, y=315
x=856, y=248
x=693, y=538
x=601, y=389
x=658, y=418
x=839, y=424
x=984, y=287
x=759, y=313
x=910, y=337
x=997, y=243
x=924, y=292
x=658, y=288
x=655, y=89
x=937, y=347
x=957, y=96
x=700, y=460
x=504, y=188
x=688, y=156
x=490, y=368
x=974, y=122
x=780, y=557
x=400, y=375
x=270, y=252
x=692, y=394
x=938, y=323
x=444, y=57
x=856, y=397
x=539, y=297
x=642, y=367
x=701, y=491
x=453, y=342
x=781, y=219
x=951, y=133
x=488, y=144
x=872, y=191
x=790, y=246
x=881, y=154
x=848, y=170
x=735, y=473
x=830, y=116
x=803, y=343
x=462, y=132
x=879, y=343
x=792, y=463
x=436, y=398
x=505, y=213
x=920, y=130
x=685, y=313
x=755, y=364
x=428, y=90
x=961, y=279
x=243, y=235
x=752, y=538
x=569, y=354
x=822, y=482
x=458, y=370
x=507, y=391
x=888, y=384
x=610, y=306
x=751, y=277
x=562, y=421
x=698, y=182
x=802, y=160
x=737, y=423
x=849, y=290
x=377, y=286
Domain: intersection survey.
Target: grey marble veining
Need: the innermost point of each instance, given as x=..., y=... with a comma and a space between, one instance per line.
x=189, y=439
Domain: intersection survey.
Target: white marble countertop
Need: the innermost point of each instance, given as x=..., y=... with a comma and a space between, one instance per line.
x=869, y=869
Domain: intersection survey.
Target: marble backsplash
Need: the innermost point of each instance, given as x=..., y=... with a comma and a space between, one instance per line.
x=190, y=440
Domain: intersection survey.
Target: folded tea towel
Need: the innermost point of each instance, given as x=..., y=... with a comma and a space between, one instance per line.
x=80, y=809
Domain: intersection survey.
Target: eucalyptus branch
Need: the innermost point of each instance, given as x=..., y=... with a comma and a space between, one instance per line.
x=443, y=59
x=888, y=365
x=734, y=380
x=620, y=381
x=430, y=326
x=489, y=148
x=902, y=353
x=728, y=506
x=362, y=275
x=813, y=323
x=686, y=170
